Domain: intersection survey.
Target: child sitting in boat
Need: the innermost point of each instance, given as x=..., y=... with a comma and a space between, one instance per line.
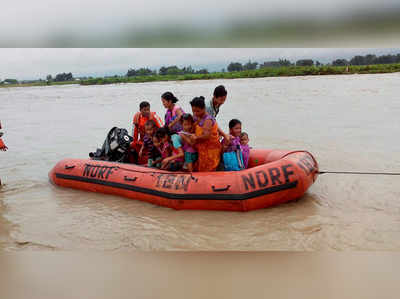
x=148, y=149
x=244, y=145
x=183, y=139
x=139, y=122
x=161, y=142
x=156, y=158
x=232, y=153
x=172, y=157
x=140, y=119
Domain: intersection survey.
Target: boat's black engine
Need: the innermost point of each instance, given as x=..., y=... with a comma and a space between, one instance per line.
x=116, y=147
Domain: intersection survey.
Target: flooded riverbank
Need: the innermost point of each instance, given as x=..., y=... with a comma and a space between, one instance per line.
x=347, y=122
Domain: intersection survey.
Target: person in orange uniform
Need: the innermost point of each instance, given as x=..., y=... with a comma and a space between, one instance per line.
x=138, y=131
x=206, y=138
x=3, y=147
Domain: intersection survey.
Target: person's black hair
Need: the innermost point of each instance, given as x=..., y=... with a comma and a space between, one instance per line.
x=244, y=134
x=187, y=116
x=162, y=132
x=151, y=123
x=220, y=91
x=144, y=104
x=169, y=96
x=234, y=122
x=198, y=102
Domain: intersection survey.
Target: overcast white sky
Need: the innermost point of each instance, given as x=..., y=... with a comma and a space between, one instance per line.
x=23, y=64
x=35, y=23
x=37, y=18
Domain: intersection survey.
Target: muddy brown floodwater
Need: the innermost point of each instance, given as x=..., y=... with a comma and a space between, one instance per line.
x=350, y=123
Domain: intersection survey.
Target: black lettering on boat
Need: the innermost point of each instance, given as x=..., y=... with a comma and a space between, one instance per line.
x=159, y=180
x=102, y=170
x=302, y=167
x=168, y=182
x=262, y=181
x=274, y=174
x=110, y=169
x=287, y=172
x=311, y=163
x=86, y=171
x=307, y=164
x=97, y=171
x=248, y=180
x=182, y=182
x=94, y=171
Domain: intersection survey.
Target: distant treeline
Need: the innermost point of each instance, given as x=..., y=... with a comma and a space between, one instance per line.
x=189, y=72
x=62, y=77
x=163, y=71
x=256, y=73
x=368, y=59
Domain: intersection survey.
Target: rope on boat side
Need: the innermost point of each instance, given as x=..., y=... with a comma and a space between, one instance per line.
x=153, y=172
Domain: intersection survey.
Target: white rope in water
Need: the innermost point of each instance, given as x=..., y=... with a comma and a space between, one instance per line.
x=357, y=172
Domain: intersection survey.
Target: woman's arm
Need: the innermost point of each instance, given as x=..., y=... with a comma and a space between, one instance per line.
x=206, y=132
x=157, y=161
x=225, y=144
x=177, y=144
x=180, y=154
x=177, y=119
x=170, y=159
x=226, y=136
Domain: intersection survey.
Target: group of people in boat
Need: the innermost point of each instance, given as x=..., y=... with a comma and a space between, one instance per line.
x=190, y=142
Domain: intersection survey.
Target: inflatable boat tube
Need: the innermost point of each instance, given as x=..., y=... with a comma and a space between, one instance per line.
x=273, y=177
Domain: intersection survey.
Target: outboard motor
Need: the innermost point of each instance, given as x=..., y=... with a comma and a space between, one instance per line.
x=115, y=148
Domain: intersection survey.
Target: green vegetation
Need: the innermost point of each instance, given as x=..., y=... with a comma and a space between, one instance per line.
x=60, y=79
x=10, y=81
x=368, y=64
x=63, y=77
x=255, y=73
x=38, y=83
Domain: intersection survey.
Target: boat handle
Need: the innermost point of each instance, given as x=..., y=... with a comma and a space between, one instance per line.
x=130, y=179
x=69, y=167
x=220, y=189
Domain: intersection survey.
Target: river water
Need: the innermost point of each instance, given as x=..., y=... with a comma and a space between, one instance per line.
x=349, y=122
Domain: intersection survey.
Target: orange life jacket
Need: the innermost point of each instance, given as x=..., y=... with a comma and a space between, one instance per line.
x=138, y=125
x=2, y=145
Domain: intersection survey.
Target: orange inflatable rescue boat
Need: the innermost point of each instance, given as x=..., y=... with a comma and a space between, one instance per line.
x=273, y=177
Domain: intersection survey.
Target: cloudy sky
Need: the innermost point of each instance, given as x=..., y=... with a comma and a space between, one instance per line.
x=102, y=23
x=23, y=64
x=34, y=19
